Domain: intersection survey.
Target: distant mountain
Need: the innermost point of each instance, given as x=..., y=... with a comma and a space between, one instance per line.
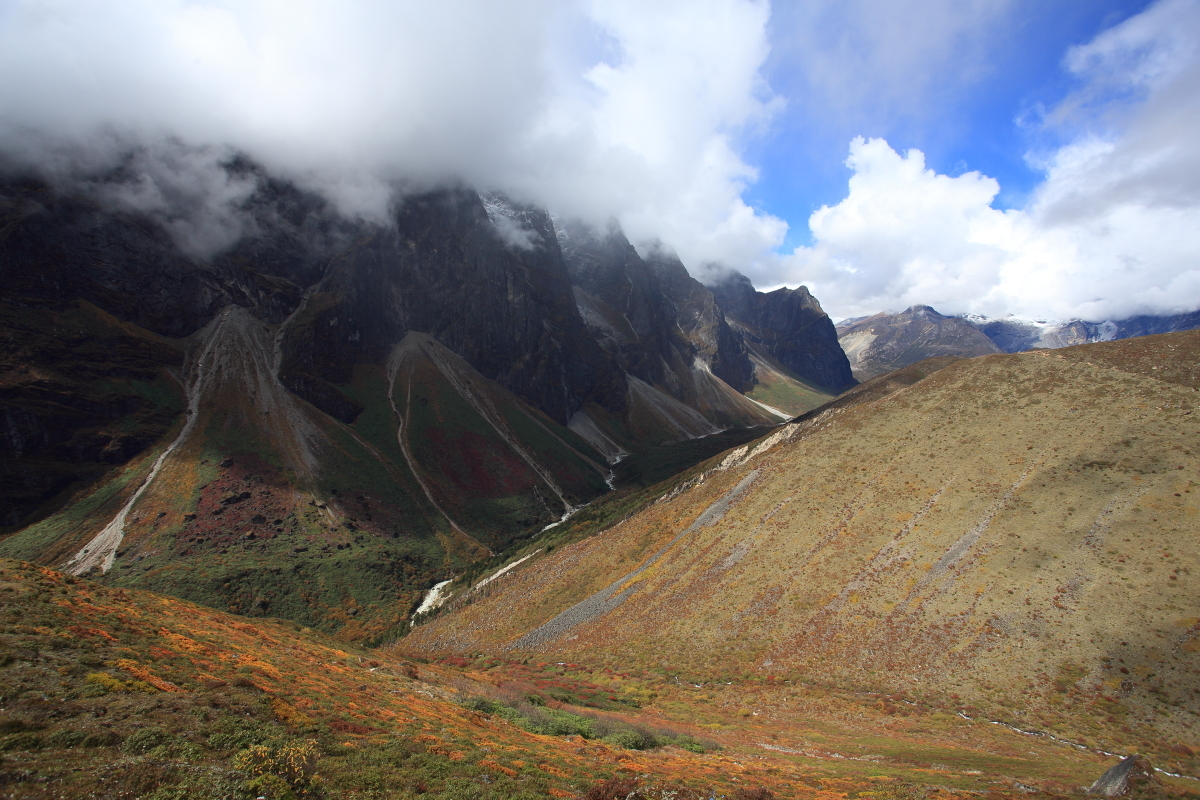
x=328, y=415
x=1014, y=335
x=884, y=342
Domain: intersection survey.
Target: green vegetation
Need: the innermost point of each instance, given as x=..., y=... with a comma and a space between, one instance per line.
x=535, y=717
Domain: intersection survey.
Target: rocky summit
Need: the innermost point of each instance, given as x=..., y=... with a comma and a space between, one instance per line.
x=884, y=342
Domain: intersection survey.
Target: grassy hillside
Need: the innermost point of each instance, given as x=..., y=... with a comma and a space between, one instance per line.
x=258, y=503
x=1007, y=538
x=125, y=694
x=778, y=387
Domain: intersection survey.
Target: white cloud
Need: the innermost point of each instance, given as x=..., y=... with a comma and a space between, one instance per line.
x=606, y=108
x=1113, y=230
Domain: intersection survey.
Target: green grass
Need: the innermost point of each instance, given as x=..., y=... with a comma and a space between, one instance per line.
x=791, y=396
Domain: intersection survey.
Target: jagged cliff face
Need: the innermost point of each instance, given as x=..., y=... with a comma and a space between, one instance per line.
x=373, y=404
x=444, y=269
x=665, y=331
x=885, y=342
x=703, y=322
x=789, y=326
x=190, y=425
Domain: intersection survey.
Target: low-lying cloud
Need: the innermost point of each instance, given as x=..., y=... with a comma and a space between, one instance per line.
x=606, y=109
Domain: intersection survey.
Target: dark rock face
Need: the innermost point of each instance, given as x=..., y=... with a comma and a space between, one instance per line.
x=663, y=329
x=791, y=325
x=1145, y=325
x=647, y=343
x=343, y=292
x=441, y=267
x=886, y=342
x=703, y=322
x=1131, y=774
x=56, y=247
x=444, y=269
x=79, y=392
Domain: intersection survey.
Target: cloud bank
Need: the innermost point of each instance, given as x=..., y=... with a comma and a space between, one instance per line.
x=644, y=112
x=597, y=109
x=1113, y=230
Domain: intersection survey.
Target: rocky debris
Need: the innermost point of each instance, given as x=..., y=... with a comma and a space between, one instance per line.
x=1131, y=774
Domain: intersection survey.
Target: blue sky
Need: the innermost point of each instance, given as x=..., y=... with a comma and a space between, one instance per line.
x=1029, y=157
x=986, y=120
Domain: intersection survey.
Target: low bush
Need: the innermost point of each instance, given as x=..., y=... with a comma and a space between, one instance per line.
x=145, y=740
x=287, y=764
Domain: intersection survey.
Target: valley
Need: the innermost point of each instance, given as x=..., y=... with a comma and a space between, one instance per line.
x=477, y=503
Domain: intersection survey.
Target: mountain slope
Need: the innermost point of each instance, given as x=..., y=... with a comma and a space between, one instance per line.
x=363, y=516
x=666, y=333
x=320, y=417
x=885, y=342
x=124, y=694
x=1009, y=536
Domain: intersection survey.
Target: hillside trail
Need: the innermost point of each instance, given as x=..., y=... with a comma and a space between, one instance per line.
x=393, y=370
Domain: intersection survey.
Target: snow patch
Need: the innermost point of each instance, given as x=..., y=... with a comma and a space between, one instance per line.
x=433, y=599
x=512, y=225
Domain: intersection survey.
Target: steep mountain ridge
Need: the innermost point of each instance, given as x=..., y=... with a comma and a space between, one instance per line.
x=667, y=334
x=788, y=327
x=1007, y=536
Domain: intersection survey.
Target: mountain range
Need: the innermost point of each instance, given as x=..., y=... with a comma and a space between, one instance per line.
x=884, y=342
x=474, y=502
x=327, y=415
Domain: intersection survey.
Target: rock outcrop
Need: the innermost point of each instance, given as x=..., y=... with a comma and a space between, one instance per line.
x=1132, y=774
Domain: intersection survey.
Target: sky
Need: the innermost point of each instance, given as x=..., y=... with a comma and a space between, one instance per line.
x=1027, y=157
